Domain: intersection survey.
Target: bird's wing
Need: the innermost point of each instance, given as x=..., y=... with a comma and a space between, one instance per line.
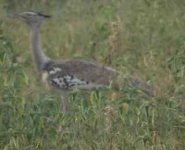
x=79, y=74
x=90, y=71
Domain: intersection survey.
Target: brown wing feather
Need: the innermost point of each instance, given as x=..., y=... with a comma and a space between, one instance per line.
x=88, y=71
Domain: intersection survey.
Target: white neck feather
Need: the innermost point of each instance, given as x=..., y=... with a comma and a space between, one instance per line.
x=38, y=54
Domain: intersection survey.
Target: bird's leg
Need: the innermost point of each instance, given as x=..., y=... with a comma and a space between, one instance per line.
x=65, y=104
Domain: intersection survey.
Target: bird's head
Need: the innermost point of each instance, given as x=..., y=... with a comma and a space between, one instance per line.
x=32, y=18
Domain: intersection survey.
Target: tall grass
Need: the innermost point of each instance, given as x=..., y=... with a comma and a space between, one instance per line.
x=141, y=38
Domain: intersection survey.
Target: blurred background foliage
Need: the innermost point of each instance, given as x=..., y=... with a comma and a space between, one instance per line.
x=142, y=38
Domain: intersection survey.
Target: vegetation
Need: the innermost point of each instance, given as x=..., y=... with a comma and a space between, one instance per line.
x=142, y=38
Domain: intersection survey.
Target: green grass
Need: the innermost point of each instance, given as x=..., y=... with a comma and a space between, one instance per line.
x=142, y=38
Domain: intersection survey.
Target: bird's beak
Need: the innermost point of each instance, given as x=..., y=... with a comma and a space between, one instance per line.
x=12, y=15
x=16, y=16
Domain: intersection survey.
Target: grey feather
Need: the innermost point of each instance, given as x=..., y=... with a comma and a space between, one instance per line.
x=71, y=74
x=68, y=74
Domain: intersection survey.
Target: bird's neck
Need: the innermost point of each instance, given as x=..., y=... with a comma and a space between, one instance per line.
x=38, y=54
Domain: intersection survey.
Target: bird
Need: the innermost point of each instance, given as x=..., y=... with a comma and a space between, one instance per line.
x=65, y=74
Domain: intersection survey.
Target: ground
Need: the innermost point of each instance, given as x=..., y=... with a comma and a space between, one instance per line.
x=142, y=38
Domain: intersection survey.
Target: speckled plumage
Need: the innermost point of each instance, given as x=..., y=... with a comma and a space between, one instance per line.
x=78, y=74
x=64, y=74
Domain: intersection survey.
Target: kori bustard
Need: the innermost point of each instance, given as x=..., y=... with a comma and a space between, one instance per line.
x=64, y=75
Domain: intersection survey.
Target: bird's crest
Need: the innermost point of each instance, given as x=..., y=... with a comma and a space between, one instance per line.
x=36, y=13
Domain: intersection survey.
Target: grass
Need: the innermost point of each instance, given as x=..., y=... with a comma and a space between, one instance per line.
x=141, y=38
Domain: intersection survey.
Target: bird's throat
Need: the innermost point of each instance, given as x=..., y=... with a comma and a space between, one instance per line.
x=39, y=56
